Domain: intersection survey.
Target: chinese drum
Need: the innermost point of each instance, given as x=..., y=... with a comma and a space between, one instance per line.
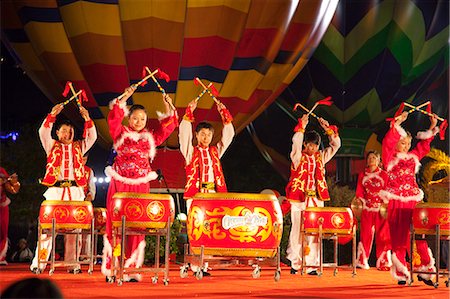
x=100, y=219
x=142, y=210
x=427, y=215
x=67, y=214
x=235, y=224
x=334, y=220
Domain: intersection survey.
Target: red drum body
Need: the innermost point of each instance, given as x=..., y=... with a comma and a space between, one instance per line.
x=143, y=210
x=427, y=215
x=334, y=220
x=235, y=224
x=100, y=219
x=67, y=214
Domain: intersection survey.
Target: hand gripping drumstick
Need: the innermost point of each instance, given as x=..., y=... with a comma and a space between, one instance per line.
x=69, y=86
x=139, y=83
x=198, y=81
x=414, y=108
x=164, y=76
x=326, y=101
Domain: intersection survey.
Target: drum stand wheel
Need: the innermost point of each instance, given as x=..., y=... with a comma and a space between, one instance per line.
x=90, y=271
x=256, y=272
x=166, y=282
x=335, y=272
x=446, y=283
x=155, y=279
x=110, y=279
x=50, y=273
x=277, y=275
x=119, y=282
x=184, y=271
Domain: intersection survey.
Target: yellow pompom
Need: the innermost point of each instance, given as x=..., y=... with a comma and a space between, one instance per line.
x=307, y=250
x=43, y=254
x=117, y=250
x=416, y=259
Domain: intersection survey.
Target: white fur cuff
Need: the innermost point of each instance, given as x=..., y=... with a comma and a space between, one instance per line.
x=122, y=106
x=427, y=134
x=400, y=130
x=162, y=115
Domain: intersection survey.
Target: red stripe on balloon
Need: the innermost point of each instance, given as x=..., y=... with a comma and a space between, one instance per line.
x=169, y=62
x=214, y=51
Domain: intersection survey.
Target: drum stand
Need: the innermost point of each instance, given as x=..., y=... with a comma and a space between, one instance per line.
x=191, y=258
x=123, y=231
x=329, y=236
x=54, y=231
x=437, y=235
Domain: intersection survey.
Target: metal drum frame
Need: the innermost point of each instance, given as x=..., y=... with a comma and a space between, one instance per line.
x=328, y=234
x=124, y=229
x=53, y=231
x=439, y=235
x=97, y=232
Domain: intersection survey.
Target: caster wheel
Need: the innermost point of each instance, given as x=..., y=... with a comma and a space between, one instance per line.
x=155, y=279
x=353, y=275
x=199, y=275
x=335, y=272
x=50, y=273
x=110, y=279
x=277, y=275
x=256, y=273
x=436, y=284
x=184, y=272
x=319, y=274
x=119, y=282
x=90, y=272
x=166, y=282
x=446, y=283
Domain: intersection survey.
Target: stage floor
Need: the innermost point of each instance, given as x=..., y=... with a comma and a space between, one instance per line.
x=234, y=282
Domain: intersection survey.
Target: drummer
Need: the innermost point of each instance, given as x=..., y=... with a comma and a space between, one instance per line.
x=64, y=174
x=403, y=194
x=307, y=186
x=203, y=168
x=373, y=224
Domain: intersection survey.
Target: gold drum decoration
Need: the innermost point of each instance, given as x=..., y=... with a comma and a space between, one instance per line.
x=235, y=224
x=427, y=215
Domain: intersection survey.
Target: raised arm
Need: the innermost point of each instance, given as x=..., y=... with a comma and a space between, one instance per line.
x=118, y=111
x=227, y=131
x=168, y=122
x=297, y=140
x=333, y=140
x=89, y=133
x=423, y=146
x=185, y=134
x=390, y=140
x=45, y=131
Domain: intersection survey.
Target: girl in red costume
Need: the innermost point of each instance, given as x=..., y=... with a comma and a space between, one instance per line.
x=11, y=185
x=131, y=172
x=403, y=194
x=370, y=183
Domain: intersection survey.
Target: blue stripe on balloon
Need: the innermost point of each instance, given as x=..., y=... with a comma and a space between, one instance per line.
x=259, y=64
x=39, y=14
x=16, y=35
x=203, y=72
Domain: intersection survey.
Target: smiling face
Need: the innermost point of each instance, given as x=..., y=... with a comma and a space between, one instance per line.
x=204, y=137
x=137, y=120
x=373, y=160
x=404, y=144
x=65, y=134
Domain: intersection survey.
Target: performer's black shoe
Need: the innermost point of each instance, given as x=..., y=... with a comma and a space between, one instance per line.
x=206, y=274
x=35, y=270
x=293, y=271
x=133, y=280
x=428, y=282
x=74, y=271
x=401, y=282
x=313, y=272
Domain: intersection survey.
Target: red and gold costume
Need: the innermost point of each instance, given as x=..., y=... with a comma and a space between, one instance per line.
x=64, y=176
x=368, y=188
x=403, y=194
x=131, y=172
x=307, y=188
x=4, y=216
x=203, y=168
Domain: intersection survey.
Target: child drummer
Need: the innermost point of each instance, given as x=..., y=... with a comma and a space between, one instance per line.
x=64, y=174
x=307, y=186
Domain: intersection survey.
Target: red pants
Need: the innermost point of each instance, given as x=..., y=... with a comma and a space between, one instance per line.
x=400, y=219
x=374, y=226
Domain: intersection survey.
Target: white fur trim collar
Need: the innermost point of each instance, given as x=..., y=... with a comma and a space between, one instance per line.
x=387, y=196
x=152, y=175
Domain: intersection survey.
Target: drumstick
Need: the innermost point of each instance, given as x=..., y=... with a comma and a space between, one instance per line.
x=138, y=83
x=422, y=111
x=207, y=89
x=203, y=92
x=159, y=87
x=73, y=97
x=306, y=109
x=76, y=97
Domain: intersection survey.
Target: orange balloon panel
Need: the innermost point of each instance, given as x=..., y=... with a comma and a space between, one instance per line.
x=67, y=214
x=427, y=215
x=143, y=210
x=235, y=224
x=333, y=220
